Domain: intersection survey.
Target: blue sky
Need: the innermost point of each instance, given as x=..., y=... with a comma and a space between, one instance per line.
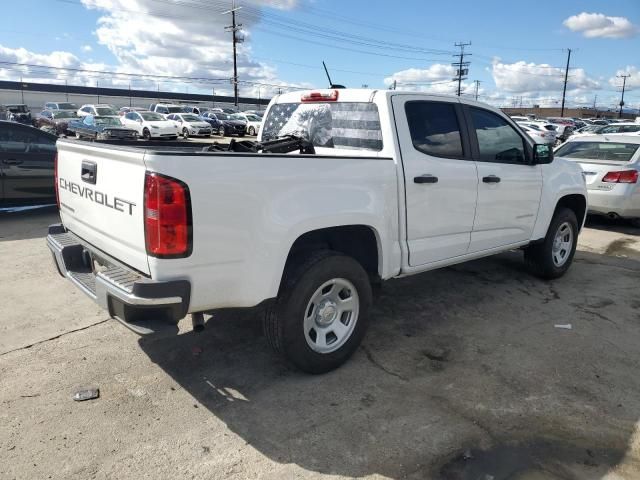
x=518, y=48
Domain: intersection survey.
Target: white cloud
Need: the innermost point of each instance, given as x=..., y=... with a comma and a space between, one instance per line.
x=435, y=79
x=633, y=82
x=523, y=77
x=156, y=41
x=598, y=25
x=191, y=44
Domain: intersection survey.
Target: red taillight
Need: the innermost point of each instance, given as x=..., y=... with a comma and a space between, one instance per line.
x=325, y=96
x=55, y=179
x=625, y=176
x=167, y=217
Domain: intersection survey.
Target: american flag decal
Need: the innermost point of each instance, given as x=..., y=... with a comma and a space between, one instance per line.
x=338, y=125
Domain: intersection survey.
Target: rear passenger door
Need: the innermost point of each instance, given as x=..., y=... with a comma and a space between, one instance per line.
x=509, y=188
x=441, y=181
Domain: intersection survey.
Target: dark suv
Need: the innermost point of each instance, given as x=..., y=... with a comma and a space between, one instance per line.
x=27, y=157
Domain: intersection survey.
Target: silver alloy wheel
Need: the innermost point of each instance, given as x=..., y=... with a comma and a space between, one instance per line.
x=331, y=315
x=562, y=244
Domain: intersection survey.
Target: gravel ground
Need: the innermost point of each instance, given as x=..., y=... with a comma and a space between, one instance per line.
x=462, y=375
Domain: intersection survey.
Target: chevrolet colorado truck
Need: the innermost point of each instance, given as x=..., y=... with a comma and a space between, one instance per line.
x=384, y=184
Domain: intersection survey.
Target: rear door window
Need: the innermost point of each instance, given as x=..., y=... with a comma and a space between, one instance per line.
x=434, y=128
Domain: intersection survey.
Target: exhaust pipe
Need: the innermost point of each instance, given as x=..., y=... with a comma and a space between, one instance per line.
x=197, y=320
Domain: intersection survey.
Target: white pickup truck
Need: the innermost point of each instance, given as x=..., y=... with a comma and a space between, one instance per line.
x=384, y=184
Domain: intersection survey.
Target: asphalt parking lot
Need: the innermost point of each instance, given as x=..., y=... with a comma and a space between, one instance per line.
x=463, y=375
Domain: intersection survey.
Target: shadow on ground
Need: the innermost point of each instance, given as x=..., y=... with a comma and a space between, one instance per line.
x=462, y=376
x=22, y=223
x=599, y=222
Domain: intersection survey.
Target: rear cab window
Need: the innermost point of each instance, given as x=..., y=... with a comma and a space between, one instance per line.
x=344, y=125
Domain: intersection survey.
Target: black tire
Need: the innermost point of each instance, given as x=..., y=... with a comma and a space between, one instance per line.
x=539, y=257
x=221, y=131
x=146, y=134
x=185, y=133
x=252, y=131
x=284, y=319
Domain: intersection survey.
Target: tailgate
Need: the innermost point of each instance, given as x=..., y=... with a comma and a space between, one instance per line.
x=101, y=190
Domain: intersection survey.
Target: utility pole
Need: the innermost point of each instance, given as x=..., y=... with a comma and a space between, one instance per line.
x=66, y=89
x=233, y=28
x=477, y=82
x=393, y=85
x=129, y=94
x=97, y=91
x=463, y=67
x=595, y=108
x=21, y=89
x=564, y=89
x=624, y=84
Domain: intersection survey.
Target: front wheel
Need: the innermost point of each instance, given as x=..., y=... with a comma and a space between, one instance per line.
x=252, y=131
x=185, y=133
x=321, y=313
x=221, y=131
x=553, y=256
x=146, y=134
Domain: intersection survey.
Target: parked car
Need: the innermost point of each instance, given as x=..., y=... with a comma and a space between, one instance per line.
x=97, y=111
x=405, y=186
x=60, y=106
x=26, y=165
x=16, y=112
x=55, y=121
x=197, y=109
x=125, y=110
x=225, y=125
x=191, y=125
x=611, y=165
x=165, y=108
x=517, y=118
x=252, y=122
x=151, y=125
x=101, y=128
x=258, y=113
x=538, y=134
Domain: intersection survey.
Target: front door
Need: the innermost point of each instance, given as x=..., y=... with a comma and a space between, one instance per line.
x=441, y=181
x=509, y=188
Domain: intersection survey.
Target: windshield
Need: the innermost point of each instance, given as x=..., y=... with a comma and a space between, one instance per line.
x=331, y=125
x=222, y=116
x=606, y=151
x=18, y=108
x=64, y=115
x=254, y=118
x=175, y=109
x=191, y=118
x=105, y=111
x=67, y=106
x=152, y=117
x=108, y=121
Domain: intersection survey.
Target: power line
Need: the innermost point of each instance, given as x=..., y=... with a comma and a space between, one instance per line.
x=463, y=67
x=233, y=28
x=624, y=83
x=564, y=88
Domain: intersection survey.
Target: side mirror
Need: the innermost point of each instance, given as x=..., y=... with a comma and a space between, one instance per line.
x=542, y=154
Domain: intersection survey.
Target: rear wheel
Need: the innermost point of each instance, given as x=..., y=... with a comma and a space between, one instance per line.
x=552, y=257
x=321, y=313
